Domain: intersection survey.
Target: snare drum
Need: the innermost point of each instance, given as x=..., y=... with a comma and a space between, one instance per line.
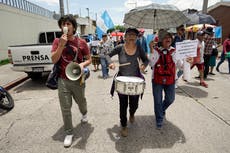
x=129, y=85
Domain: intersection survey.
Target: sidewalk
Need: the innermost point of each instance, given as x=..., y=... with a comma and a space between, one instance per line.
x=7, y=75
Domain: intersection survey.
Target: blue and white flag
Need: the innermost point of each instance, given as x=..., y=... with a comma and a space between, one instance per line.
x=103, y=24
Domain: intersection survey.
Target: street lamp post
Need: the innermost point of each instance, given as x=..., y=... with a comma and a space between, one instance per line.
x=67, y=6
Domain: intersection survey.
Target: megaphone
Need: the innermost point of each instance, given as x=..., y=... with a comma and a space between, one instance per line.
x=73, y=71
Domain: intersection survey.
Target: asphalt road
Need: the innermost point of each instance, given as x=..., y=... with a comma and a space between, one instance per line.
x=197, y=122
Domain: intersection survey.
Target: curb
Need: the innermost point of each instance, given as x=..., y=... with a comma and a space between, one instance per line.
x=14, y=83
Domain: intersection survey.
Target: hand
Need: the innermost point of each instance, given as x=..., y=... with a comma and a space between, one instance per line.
x=190, y=60
x=81, y=66
x=63, y=40
x=112, y=66
x=142, y=68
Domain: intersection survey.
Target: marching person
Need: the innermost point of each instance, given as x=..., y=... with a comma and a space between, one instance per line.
x=226, y=49
x=94, y=54
x=209, y=42
x=141, y=40
x=198, y=61
x=105, y=46
x=163, y=62
x=128, y=52
x=64, y=50
x=179, y=37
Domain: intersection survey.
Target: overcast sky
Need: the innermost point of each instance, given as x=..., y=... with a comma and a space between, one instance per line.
x=115, y=8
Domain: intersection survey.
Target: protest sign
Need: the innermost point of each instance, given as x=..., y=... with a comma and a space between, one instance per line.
x=187, y=48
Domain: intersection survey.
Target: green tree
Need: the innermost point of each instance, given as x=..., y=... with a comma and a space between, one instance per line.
x=116, y=28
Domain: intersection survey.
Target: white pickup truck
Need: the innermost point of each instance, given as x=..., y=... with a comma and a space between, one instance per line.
x=34, y=59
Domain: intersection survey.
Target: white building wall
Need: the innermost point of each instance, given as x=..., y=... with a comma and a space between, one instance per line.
x=18, y=27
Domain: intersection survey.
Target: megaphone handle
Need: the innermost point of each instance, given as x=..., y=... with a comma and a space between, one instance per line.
x=82, y=79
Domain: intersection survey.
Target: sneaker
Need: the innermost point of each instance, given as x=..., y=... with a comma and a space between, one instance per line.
x=159, y=126
x=217, y=69
x=176, y=86
x=68, y=140
x=84, y=118
x=131, y=118
x=124, y=131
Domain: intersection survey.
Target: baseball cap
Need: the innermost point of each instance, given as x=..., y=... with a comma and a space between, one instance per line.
x=132, y=30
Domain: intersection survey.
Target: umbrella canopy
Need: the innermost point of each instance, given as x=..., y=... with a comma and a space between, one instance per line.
x=199, y=18
x=197, y=27
x=155, y=16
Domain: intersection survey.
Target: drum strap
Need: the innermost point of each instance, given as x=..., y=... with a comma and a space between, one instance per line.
x=113, y=85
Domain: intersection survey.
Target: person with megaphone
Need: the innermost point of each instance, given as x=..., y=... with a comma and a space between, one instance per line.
x=69, y=51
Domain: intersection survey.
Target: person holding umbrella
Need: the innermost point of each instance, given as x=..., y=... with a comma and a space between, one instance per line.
x=163, y=64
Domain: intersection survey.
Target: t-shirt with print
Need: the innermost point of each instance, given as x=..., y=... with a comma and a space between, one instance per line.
x=69, y=53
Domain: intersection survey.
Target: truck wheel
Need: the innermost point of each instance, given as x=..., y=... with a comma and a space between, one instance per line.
x=35, y=75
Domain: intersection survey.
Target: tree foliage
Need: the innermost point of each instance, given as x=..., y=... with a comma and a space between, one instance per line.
x=116, y=28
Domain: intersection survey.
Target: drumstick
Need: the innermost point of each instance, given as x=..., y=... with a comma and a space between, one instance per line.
x=124, y=64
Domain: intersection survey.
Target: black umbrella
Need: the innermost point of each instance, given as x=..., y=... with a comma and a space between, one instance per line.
x=199, y=18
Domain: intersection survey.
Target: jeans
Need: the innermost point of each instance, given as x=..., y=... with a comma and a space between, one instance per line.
x=133, y=105
x=161, y=105
x=104, y=67
x=222, y=59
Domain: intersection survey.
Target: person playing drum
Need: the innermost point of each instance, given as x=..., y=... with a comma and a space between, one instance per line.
x=128, y=55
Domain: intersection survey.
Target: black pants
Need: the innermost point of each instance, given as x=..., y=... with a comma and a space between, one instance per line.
x=206, y=65
x=133, y=105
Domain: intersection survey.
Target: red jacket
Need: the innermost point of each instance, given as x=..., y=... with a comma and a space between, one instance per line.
x=226, y=46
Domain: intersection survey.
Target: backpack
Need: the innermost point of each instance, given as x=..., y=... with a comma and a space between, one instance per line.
x=165, y=68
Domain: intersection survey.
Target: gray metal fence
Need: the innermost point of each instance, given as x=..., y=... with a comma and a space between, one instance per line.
x=28, y=7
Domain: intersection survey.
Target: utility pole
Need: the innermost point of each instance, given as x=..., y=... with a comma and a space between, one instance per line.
x=88, y=20
x=61, y=7
x=205, y=6
x=67, y=6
